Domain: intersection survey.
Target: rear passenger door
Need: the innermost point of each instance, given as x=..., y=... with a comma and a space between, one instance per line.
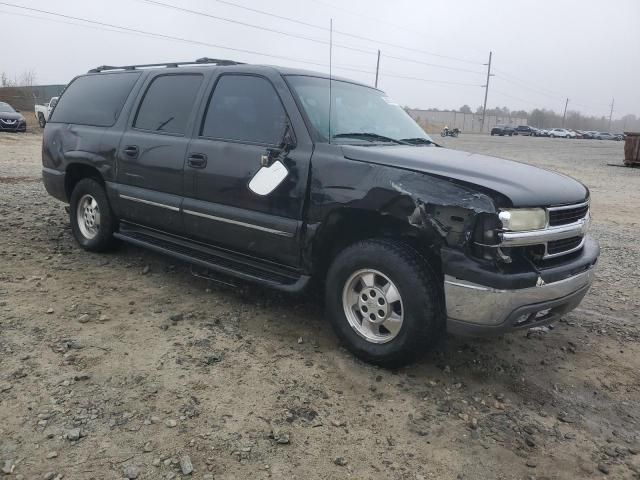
x=152, y=150
x=245, y=115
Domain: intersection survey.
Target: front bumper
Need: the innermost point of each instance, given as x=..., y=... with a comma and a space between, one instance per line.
x=477, y=309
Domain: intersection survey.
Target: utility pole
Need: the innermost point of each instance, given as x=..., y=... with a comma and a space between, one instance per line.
x=486, y=92
x=611, y=113
x=377, y=69
x=564, y=115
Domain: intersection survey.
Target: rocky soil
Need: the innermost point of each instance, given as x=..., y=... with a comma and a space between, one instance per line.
x=126, y=366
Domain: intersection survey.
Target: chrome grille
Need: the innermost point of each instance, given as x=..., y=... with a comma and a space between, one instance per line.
x=566, y=215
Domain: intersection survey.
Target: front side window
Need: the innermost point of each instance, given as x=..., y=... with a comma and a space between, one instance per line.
x=167, y=104
x=245, y=108
x=355, y=109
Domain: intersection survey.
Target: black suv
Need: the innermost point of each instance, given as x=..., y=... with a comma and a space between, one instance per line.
x=502, y=130
x=269, y=175
x=525, y=130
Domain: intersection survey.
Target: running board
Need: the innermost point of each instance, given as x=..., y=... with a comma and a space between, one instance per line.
x=217, y=260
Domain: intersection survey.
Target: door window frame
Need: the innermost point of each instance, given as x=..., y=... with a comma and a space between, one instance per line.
x=143, y=93
x=203, y=117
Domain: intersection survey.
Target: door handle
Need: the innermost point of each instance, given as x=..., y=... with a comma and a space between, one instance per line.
x=197, y=160
x=131, y=151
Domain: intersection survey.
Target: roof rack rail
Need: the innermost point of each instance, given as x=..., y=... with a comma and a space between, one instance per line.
x=199, y=61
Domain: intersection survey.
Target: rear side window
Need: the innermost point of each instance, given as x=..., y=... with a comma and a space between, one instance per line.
x=245, y=109
x=94, y=99
x=167, y=103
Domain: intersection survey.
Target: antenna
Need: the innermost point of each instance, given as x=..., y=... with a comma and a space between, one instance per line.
x=330, y=73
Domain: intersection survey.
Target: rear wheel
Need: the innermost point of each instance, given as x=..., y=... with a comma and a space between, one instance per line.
x=384, y=302
x=92, y=220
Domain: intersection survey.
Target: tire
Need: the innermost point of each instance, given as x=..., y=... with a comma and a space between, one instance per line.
x=419, y=306
x=41, y=121
x=92, y=221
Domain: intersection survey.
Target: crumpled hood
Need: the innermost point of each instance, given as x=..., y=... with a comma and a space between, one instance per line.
x=11, y=116
x=524, y=185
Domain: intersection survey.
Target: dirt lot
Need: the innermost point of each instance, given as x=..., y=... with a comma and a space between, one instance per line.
x=123, y=365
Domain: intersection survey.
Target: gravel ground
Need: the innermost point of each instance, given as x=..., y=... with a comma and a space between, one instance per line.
x=125, y=366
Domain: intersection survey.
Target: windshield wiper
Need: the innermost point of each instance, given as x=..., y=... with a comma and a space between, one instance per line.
x=370, y=136
x=419, y=141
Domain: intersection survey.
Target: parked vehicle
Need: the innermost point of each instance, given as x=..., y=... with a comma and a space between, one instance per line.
x=450, y=132
x=11, y=120
x=240, y=169
x=620, y=136
x=543, y=132
x=587, y=135
x=524, y=130
x=560, y=132
x=44, y=111
x=502, y=130
x=605, y=136
x=575, y=133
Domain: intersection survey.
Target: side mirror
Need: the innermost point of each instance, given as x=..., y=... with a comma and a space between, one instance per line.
x=17, y=111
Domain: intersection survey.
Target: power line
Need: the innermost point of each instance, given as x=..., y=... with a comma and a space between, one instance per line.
x=400, y=27
x=346, y=34
x=542, y=91
x=63, y=22
x=302, y=37
x=419, y=62
x=159, y=35
x=513, y=79
x=119, y=29
x=257, y=27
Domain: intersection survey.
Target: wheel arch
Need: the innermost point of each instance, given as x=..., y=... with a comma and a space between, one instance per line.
x=346, y=226
x=77, y=171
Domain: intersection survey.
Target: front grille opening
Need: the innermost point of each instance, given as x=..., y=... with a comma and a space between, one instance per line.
x=564, y=245
x=567, y=215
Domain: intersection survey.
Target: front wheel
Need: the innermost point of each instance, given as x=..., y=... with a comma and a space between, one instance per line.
x=92, y=220
x=41, y=121
x=384, y=302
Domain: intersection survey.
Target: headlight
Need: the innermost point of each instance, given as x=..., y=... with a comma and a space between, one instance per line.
x=523, y=219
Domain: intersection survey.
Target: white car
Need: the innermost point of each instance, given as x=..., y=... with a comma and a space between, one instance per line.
x=43, y=111
x=561, y=133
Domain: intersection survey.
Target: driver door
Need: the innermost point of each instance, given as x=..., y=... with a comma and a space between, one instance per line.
x=242, y=124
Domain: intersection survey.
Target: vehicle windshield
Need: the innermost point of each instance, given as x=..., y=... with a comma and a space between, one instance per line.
x=359, y=114
x=5, y=107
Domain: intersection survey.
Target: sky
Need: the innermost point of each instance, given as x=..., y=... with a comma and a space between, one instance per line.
x=433, y=54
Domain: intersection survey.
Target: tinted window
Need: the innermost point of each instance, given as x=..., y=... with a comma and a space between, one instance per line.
x=167, y=103
x=94, y=99
x=245, y=109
